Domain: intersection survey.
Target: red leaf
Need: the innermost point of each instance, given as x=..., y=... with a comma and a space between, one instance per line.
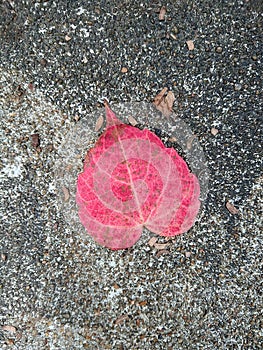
x=130, y=180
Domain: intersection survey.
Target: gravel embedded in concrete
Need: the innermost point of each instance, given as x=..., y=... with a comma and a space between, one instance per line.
x=60, y=291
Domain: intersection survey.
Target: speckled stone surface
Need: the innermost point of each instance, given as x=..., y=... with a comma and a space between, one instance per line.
x=61, y=291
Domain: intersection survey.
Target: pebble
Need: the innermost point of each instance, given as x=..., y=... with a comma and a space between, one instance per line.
x=214, y=131
x=238, y=87
x=190, y=45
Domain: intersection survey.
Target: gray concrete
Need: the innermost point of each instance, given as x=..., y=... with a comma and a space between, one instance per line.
x=60, y=291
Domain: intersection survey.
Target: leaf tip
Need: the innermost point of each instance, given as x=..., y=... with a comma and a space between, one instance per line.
x=110, y=115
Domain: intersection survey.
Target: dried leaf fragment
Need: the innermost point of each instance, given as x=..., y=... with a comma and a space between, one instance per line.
x=190, y=45
x=35, y=141
x=159, y=98
x=231, y=208
x=99, y=123
x=164, y=102
x=162, y=13
x=161, y=246
x=170, y=100
x=190, y=141
x=9, y=328
x=66, y=193
x=3, y=257
x=132, y=121
x=152, y=241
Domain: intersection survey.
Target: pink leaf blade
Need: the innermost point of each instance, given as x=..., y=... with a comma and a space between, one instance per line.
x=178, y=220
x=185, y=215
x=130, y=180
x=110, y=236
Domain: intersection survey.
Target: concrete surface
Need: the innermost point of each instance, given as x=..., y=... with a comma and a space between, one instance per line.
x=59, y=291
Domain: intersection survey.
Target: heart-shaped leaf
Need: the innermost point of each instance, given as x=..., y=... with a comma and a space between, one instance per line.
x=130, y=180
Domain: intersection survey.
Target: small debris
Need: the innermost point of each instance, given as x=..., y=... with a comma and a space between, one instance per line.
x=231, y=208
x=214, y=131
x=43, y=62
x=132, y=121
x=18, y=336
x=67, y=38
x=50, y=147
x=124, y=70
x=162, y=252
x=175, y=30
x=69, y=167
x=152, y=241
x=66, y=193
x=162, y=13
x=20, y=92
x=121, y=319
x=10, y=342
x=31, y=87
x=160, y=246
x=97, y=312
x=187, y=254
x=173, y=36
x=190, y=141
x=99, y=123
x=237, y=87
x=190, y=45
x=8, y=328
x=3, y=257
x=172, y=139
x=219, y=49
x=35, y=141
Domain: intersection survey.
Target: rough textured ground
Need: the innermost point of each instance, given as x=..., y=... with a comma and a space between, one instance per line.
x=58, y=291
